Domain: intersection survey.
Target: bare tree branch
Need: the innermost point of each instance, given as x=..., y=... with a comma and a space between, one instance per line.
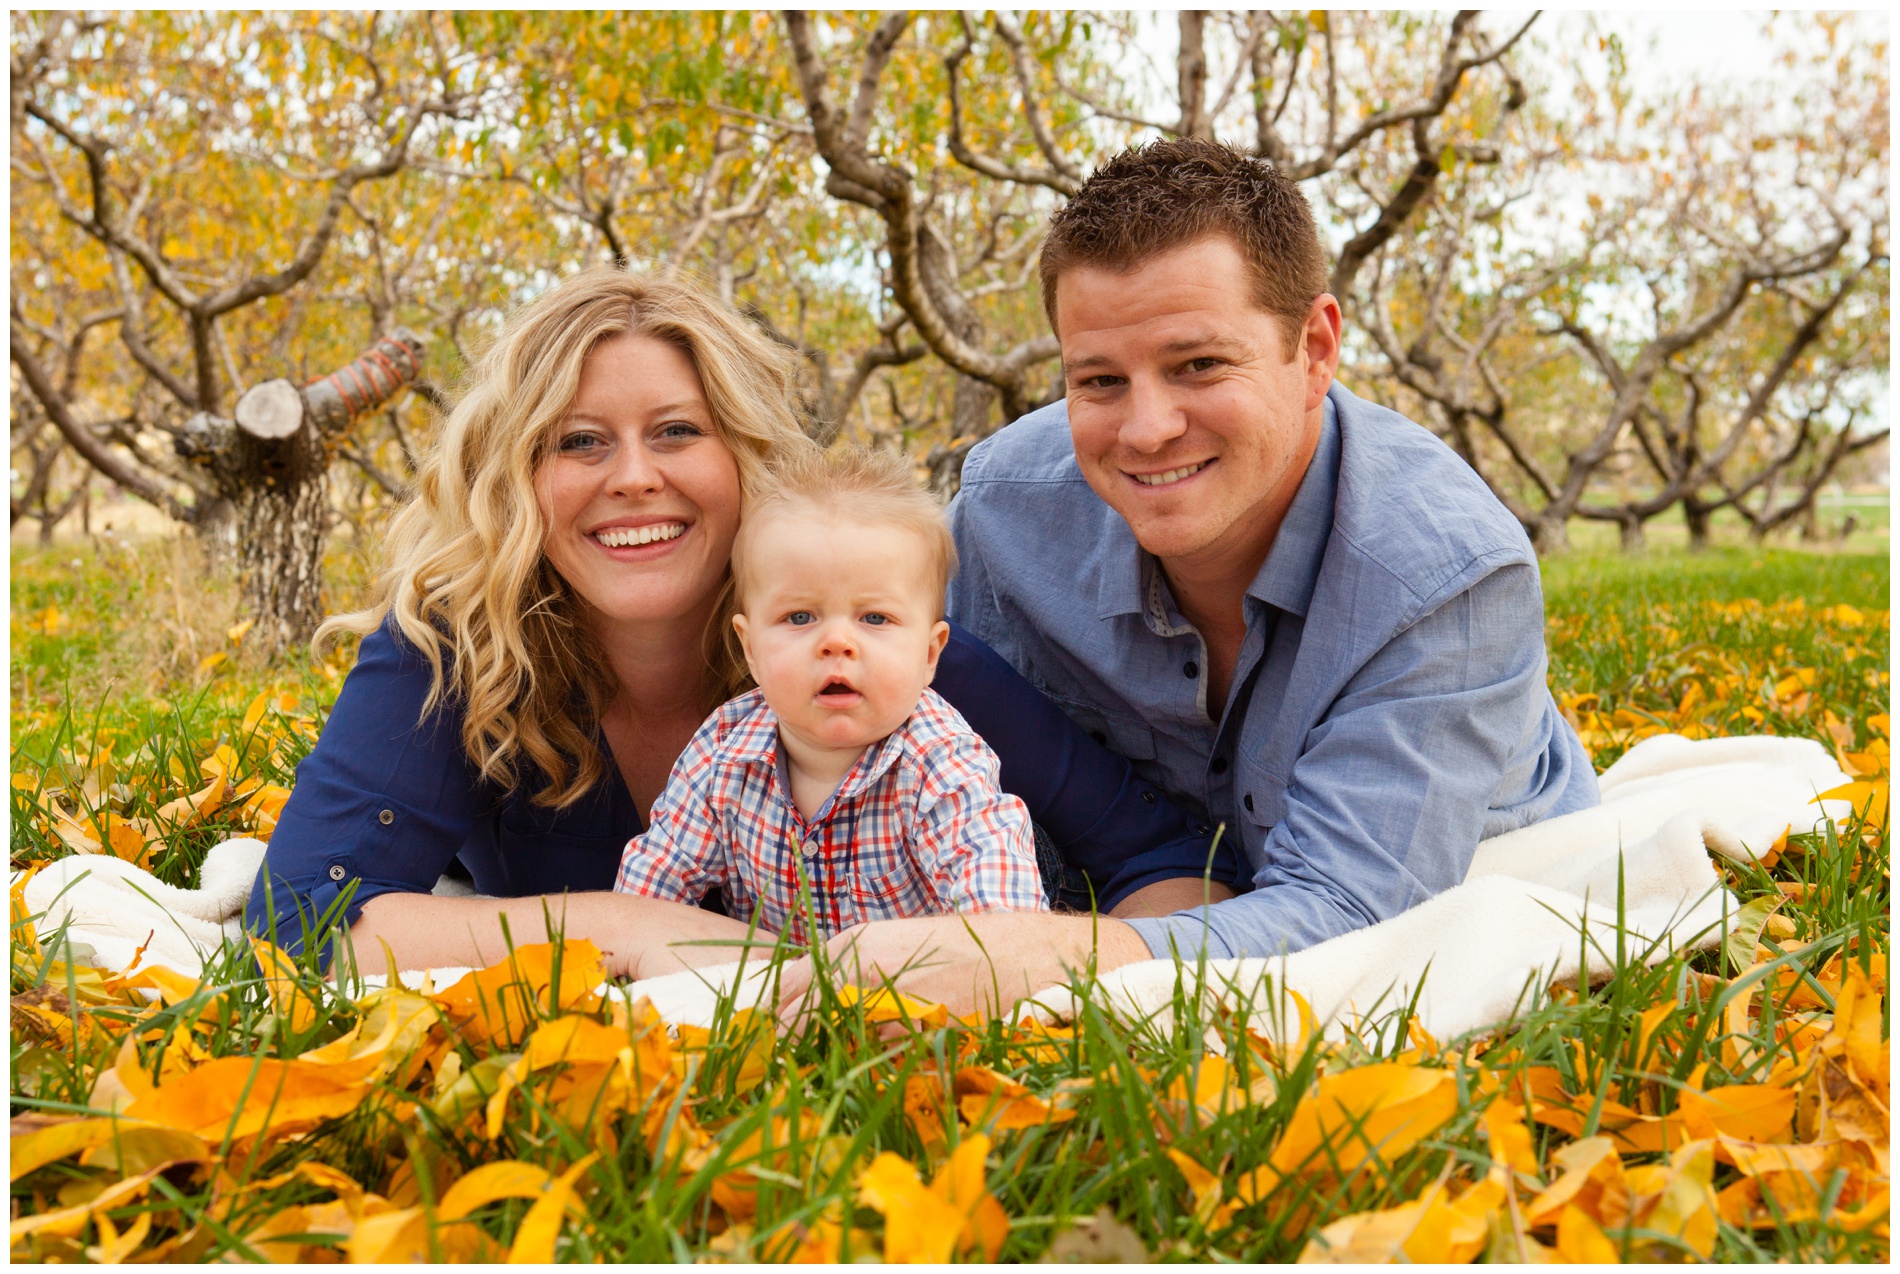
x=83, y=440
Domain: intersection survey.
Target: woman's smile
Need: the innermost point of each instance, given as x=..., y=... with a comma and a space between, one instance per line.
x=640, y=535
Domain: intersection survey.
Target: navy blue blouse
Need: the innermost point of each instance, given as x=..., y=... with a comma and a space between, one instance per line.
x=387, y=802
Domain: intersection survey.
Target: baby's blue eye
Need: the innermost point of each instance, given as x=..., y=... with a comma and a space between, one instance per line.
x=800, y=617
x=877, y=617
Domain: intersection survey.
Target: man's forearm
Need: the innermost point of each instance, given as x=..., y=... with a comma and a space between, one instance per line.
x=1165, y=897
x=982, y=963
x=639, y=937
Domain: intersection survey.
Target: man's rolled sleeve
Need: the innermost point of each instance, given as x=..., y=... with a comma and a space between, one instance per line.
x=1388, y=799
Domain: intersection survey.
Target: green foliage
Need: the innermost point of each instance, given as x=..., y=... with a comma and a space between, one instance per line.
x=804, y=1114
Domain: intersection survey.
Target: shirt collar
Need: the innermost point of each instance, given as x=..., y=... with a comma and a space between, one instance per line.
x=1119, y=589
x=755, y=740
x=1290, y=573
x=755, y=737
x=1286, y=579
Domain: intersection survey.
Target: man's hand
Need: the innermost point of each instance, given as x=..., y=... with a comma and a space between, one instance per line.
x=970, y=964
x=1165, y=897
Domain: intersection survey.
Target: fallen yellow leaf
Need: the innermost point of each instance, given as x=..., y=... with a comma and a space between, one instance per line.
x=994, y=1100
x=1378, y=1111
x=499, y=1003
x=534, y=1241
x=882, y=1004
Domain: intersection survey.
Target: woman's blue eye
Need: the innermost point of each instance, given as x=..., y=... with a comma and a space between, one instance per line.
x=580, y=442
x=679, y=429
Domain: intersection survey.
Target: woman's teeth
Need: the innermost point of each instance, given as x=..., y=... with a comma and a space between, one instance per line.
x=1172, y=475
x=621, y=537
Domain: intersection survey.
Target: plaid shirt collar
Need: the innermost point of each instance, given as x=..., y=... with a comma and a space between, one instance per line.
x=755, y=741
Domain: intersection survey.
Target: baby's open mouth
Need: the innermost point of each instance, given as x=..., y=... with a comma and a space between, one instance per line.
x=837, y=688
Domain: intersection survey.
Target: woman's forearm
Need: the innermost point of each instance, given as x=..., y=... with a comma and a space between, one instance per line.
x=638, y=937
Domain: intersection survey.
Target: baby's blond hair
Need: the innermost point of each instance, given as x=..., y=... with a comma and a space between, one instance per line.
x=873, y=487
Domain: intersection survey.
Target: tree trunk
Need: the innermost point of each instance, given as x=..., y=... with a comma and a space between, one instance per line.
x=1811, y=521
x=1630, y=531
x=972, y=409
x=282, y=521
x=1550, y=536
x=272, y=467
x=1696, y=515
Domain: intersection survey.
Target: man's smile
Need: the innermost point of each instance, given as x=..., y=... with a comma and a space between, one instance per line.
x=1169, y=476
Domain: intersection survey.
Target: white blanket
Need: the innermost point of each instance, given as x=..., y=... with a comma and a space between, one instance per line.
x=1473, y=954
x=1470, y=954
x=1539, y=904
x=119, y=911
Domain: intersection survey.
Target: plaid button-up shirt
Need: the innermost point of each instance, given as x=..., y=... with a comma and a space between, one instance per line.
x=917, y=827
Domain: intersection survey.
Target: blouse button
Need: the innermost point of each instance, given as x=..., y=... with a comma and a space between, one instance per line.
x=386, y=817
x=810, y=849
x=337, y=872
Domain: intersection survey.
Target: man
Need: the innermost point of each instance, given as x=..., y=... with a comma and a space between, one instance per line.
x=1298, y=613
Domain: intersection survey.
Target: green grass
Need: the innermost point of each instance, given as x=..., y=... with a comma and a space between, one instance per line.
x=1635, y=633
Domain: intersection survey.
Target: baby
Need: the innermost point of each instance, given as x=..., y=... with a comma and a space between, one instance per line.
x=843, y=766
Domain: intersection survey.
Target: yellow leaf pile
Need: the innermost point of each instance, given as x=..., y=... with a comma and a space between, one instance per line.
x=1733, y=1105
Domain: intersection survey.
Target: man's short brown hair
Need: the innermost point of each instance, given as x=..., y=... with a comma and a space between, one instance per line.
x=1150, y=199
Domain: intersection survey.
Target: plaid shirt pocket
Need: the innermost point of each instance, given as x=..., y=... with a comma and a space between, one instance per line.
x=900, y=891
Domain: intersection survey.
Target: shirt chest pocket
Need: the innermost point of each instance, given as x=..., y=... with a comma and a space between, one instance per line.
x=1129, y=736
x=1262, y=796
x=901, y=891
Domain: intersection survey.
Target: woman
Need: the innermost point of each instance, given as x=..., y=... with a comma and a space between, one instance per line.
x=550, y=629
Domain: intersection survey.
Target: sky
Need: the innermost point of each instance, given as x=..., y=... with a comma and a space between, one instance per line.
x=1687, y=45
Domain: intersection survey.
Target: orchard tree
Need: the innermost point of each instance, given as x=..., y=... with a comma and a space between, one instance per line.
x=668, y=141
x=1014, y=111
x=1653, y=304
x=188, y=179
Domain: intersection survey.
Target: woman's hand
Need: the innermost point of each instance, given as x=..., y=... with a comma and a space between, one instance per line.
x=638, y=937
x=970, y=964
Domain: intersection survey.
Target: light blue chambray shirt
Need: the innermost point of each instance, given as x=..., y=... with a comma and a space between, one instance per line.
x=1388, y=709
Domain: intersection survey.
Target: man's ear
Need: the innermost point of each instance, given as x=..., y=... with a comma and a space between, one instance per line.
x=939, y=638
x=1320, y=347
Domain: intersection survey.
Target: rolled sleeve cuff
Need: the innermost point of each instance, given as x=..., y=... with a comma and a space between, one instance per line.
x=291, y=914
x=314, y=878
x=1186, y=934
x=1178, y=860
x=1265, y=922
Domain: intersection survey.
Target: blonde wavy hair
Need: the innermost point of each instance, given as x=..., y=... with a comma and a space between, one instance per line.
x=464, y=573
